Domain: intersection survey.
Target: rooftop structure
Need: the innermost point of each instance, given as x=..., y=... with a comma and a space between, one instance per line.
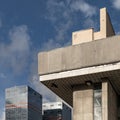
x=90, y=67
x=106, y=30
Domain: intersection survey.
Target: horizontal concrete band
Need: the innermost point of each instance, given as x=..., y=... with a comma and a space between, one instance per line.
x=80, y=72
x=97, y=52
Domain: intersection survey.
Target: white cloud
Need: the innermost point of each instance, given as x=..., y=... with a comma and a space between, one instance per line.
x=15, y=54
x=60, y=37
x=50, y=44
x=87, y=9
x=20, y=39
x=62, y=30
x=60, y=16
x=54, y=8
x=90, y=23
x=116, y=4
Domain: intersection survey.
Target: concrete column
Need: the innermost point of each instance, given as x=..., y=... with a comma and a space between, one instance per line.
x=109, y=102
x=83, y=104
x=112, y=103
x=105, y=101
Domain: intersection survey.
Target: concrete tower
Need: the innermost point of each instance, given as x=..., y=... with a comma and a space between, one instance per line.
x=86, y=74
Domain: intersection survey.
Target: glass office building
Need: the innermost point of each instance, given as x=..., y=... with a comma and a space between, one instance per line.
x=23, y=103
x=56, y=111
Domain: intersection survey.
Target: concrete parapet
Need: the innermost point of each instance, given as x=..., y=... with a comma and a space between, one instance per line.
x=100, y=52
x=82, y=36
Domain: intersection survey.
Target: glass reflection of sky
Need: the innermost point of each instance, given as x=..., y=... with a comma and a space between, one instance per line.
x=97, y=105
x=23, y=103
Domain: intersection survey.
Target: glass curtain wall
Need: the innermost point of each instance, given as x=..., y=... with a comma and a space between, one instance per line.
x=16, y=103
x=97, y=104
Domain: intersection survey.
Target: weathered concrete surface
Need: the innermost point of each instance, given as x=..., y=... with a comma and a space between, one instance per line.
x=112, y=103
x=105, y=101
x=91, y=57
x=89, y=54
x=109, y=102
x=83, y=104
x=82, y=36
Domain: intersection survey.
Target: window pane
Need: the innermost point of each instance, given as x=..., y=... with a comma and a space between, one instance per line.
x=97, y=105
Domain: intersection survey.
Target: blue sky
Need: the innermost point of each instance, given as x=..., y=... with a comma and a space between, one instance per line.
x=30, y=26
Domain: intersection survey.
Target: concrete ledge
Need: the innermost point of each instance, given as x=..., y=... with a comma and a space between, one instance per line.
x=81, y=72
x=99, y=52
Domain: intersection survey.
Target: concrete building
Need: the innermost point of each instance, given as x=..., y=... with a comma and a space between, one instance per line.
x=23, y=103
x=86, y=74
x=56, y=111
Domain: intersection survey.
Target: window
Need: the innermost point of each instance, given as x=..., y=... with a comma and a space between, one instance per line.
x=97, y=104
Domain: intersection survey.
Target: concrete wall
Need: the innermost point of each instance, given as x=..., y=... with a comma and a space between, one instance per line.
x=83, y=105
x=105, y=101
x=82, y=36
x=110, y=30
x=112, y=104
x=109, y=102
x=93, y=53
x=83, y=108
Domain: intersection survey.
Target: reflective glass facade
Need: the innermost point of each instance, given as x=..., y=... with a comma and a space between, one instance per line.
x=55, y=114
x=56, y=111
x=34, y=105
x=19, y=104
x=97, y=104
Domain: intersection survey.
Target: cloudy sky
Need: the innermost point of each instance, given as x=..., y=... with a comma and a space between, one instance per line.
x=30, y=26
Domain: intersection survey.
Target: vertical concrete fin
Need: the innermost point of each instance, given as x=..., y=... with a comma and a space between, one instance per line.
x=106, y=27
x=109, y=26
